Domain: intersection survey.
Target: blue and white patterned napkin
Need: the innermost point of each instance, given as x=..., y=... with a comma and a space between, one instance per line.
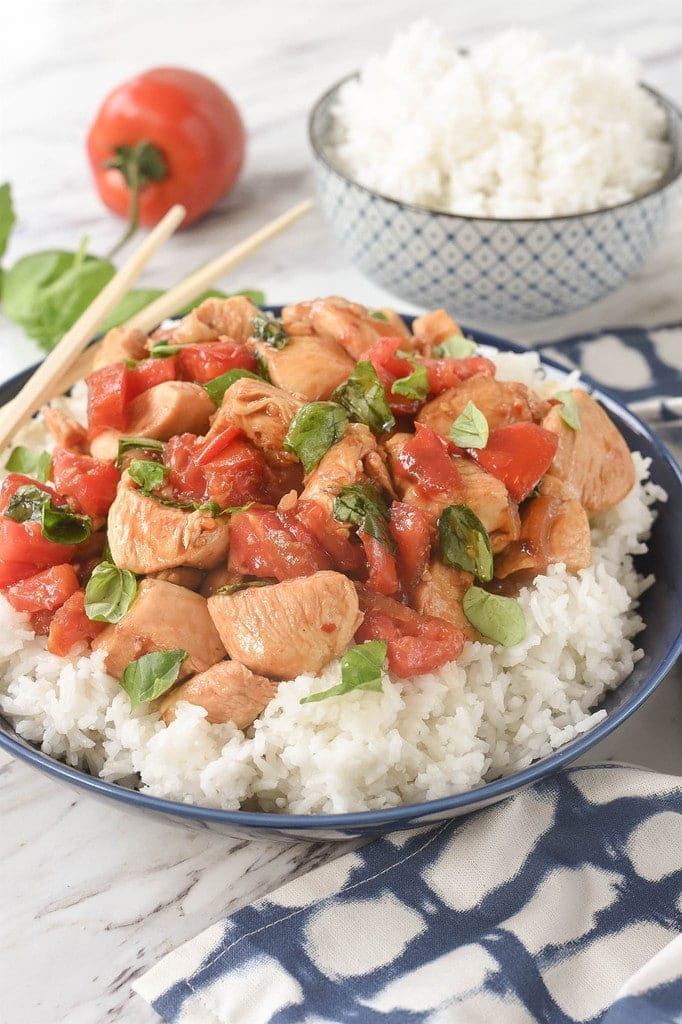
x=562, y=905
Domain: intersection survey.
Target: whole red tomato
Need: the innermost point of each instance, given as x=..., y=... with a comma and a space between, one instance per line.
x=166, y=136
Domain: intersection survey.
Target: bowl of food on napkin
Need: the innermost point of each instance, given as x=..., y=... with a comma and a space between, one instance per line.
x=513, y=181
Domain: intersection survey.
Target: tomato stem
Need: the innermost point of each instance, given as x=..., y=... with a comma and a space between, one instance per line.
x=139, y=164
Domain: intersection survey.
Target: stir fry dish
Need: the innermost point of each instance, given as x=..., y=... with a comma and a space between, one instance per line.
x=253, y=497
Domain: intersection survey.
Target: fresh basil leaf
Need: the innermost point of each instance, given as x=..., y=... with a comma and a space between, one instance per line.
x=569, y=409
x=161, y=349
x=470, y=429
x=147, y=475
x=314, y=429
x=364, y=507
x=217, y=387
x=109, y=593
x=7, y=217
x=29, y=462
x=415, y=384
x=364, y=399
x=146, y=444
x=455, y=346
x=499, y=619
x=32, y=505
x=269, y=330
x=234, y=588
x=377, y=314
x=361, y=668
x=152, y=674
x=464, y=541
x=46, y=292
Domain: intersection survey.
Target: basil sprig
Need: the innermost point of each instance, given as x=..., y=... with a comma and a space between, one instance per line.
x=470, y=429
x=415, y=384
x=314, y=429
x=161, y=349
x=569, y=409
x=269, y=330
x=464, y=541
x=499, y=619
x=378, y=314
x=109, y=593
x=361, y=668
x=60, y=525
x=217, y=387
x=147, y=475
x=455, y=346
x=234, y=588
x=152, y=674
x=364, y=507
x=363, y=397
x=30, y=462
x=145, y=444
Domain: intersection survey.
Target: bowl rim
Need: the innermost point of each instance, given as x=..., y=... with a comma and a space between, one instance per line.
x=420, y=813
x=674, y=171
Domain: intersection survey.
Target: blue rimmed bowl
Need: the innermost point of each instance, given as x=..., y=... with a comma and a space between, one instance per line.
x=484, y=267
x=661, y=642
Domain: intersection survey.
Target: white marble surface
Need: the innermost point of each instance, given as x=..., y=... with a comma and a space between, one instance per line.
x=92, y=895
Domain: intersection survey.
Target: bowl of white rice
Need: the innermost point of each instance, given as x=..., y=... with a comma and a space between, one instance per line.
x=516, y=181
x=423, y=750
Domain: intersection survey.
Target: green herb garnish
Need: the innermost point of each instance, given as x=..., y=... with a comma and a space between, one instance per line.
x=30, y=462
x=499, y=619
x=147, y=475
x=151, y=675
x=234, y=588
x=377, y=314
x=470, y=429
x=217, y=387
x=361, y=668
x=145, y=444
x=364, y=507
x=414, y=385
x=32, y=505
x=161, y=349
x=569, y=409
x=109, y=593
x=364, y=399
x=464, y=541
x=314, y=429
x=269, y=330
x=455, y=346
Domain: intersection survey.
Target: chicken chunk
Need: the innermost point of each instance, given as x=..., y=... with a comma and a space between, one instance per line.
x=483, y=493
x=146, y=536
x=174, y=407
x=440, y=594
x=307, y=366
x=554, y=528
x=296, y=626
x=500, y=402
x=342, y=465
x=594, y=461
x=120, y=343
x=66, y=431
x=263, y=412
x=349, y=324
x=217, y=318
x=162, y=617
x=228, y=691
x=182, y=576
x=105, y=445
x=433, y=328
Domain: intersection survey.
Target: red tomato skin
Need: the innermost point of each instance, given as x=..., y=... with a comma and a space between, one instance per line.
x=426, y=460
x=107, y=398
x=45, y=591
x=448, y=373
x=70, y=626
x=217, y=445
x=148, y=374
x=416, y=643
x=195, y=125
x=518, y=454
x=202, y=363
x=383, y=571
x=346, y=556
x=12, y=483
x=410, y=530
x=186, y=478
x=238, y=475
x=12, y=572
x=23, y=543
x=265, y=543
x=90, y=482
x=389, y=368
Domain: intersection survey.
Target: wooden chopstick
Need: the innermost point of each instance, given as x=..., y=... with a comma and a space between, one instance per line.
x=188, y=290
x=40, y=387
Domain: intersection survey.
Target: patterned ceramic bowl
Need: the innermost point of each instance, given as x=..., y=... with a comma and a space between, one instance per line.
x=485, y=267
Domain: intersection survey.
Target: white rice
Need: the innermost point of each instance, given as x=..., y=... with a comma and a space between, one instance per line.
x=516, y=128
x=491, y=713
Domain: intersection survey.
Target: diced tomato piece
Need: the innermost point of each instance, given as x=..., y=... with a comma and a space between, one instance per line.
x=239, y=475
x=12, y=572
x=46, y=591
x=448, y=373
x=186, y=478
x=416, y=643
x=266, y=543
x=518, y=454
x=90, y=482
x=107, y=398
x=383, y=571
x=207, y=361
x=24, y=543
x=331, y=536
x=410, y=530
x=390, y=367
x=426, y=460
x=12, y=483
x=70, y=626
x=217, y=445
x=149, y=373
